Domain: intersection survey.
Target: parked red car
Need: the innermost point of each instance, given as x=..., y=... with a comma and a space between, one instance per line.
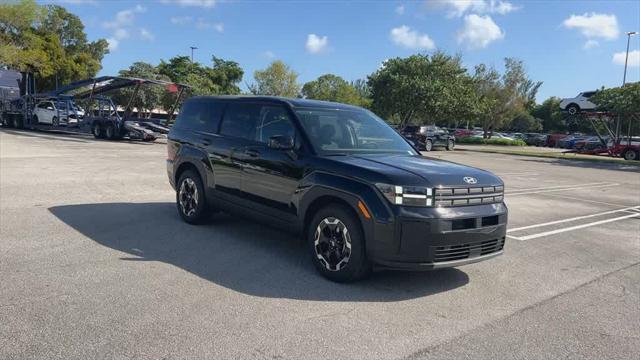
x=552, y=139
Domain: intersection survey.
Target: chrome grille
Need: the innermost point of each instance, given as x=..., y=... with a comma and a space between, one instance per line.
x=465, y=196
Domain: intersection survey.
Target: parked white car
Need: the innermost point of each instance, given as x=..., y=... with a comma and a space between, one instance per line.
x=579, y=103
x=56, y=112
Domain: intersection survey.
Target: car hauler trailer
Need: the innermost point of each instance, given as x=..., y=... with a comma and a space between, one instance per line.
x=100, y=117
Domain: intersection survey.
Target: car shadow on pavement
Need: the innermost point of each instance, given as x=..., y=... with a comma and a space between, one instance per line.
x=238, y=254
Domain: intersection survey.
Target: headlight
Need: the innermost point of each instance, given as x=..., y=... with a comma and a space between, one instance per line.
x=407, y=195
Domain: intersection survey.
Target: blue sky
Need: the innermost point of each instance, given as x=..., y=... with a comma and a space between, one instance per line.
x=569, y=45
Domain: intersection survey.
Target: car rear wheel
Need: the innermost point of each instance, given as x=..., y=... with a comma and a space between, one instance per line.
x=428, y=145
x=96, y=130
x=55, y=121
x=450, y=145
x=573, y=109
x=110, y=132
x=190, y=198
x=630, y=154
x=336, y=244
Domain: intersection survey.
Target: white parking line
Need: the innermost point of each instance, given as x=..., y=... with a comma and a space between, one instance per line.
x=562, y=189
x=559, y=186
x=586, y=200
x=547, y=233
x=574, y=218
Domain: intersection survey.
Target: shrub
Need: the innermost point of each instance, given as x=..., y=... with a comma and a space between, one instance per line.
x=492, y=141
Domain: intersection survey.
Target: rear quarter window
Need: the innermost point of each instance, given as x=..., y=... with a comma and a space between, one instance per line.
x=200, y=115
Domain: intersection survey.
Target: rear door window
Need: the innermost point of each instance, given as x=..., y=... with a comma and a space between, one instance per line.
x=241, y=120
x=200, y=115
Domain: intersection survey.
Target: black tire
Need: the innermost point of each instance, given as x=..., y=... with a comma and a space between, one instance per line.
x=328, y=224
x=35, y=119
x=110, y=132
x=450, y=145
x=573, y=109
x=630, y=154
x=190, y=198
x=96, y=130
x=7, y=121
x=55, y=121
x=428, y=145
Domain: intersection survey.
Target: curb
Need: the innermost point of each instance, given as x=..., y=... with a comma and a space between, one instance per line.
x=559, y=156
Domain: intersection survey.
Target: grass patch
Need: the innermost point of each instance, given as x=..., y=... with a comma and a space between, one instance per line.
x=493, y=141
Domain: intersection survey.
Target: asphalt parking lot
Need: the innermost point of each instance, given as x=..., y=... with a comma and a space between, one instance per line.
x=95, y=263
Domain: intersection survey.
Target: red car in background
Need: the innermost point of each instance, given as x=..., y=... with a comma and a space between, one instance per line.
x=552, y=139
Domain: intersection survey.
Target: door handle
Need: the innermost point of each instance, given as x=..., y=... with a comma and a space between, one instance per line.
x=252, y=152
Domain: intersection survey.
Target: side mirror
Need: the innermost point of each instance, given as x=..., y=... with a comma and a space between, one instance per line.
x=281, y=142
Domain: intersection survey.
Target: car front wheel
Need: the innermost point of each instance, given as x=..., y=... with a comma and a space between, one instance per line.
x=428, y=145
x=336, y=243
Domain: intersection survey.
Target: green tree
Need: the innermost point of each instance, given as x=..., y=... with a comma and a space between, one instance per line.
x=550, y=114
x=422, y=89
x=277, y=80
x=149, y=96
x=222, y=78
x=500, y=98
x=331, y=87
x=620, y=100
x=525, y=122
x=49, y=42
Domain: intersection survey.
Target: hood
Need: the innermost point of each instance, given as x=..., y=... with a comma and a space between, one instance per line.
x=433, y=172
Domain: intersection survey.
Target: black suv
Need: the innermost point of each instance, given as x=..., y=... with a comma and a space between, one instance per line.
x=427, y=137
x=357, y=191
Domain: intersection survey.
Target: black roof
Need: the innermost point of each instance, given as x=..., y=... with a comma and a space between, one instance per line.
x=293, y=102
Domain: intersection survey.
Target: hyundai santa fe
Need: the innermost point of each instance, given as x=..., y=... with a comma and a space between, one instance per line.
x=360, y=195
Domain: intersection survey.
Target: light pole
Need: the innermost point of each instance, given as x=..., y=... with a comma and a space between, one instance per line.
x=629, y=35
x=192, y=48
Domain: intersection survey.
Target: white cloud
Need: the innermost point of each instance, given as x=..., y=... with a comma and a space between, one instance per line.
x=634, y=58
x=113, y=44
x=181, y=20
x=197, y=3
x=594, y=25
x=411, y=39
x=457, y=8
x=316, y=44
x=122, y=26
x=479, y=31
x=269, y=54
x=120, y=34
x=400, y=9
x=124, y=17
x=204, y=25
x=591, y=44
x=146, y=34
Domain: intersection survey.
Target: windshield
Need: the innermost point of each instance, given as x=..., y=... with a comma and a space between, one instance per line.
x=339, y=131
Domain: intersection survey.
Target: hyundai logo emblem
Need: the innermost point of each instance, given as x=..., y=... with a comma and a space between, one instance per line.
x=470, y=180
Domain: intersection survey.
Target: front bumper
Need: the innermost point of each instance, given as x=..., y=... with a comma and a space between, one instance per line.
x=433, y=238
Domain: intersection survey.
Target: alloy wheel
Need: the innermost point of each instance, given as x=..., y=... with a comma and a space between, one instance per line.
x=332, y=243
x=188, y=196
